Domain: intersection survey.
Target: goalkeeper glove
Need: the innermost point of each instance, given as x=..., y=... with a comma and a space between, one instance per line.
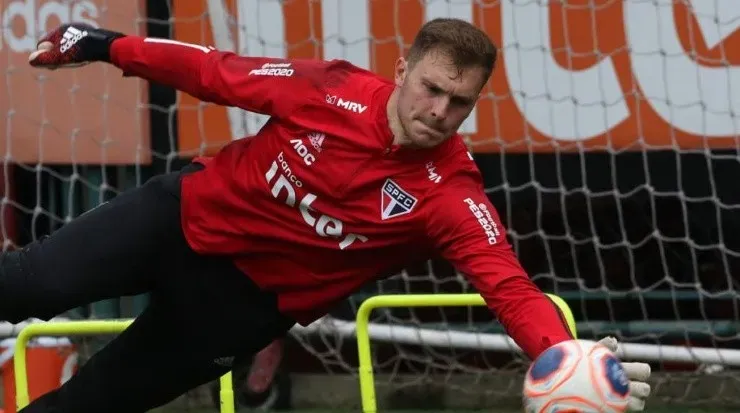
x=637, y=373
x=73, y=45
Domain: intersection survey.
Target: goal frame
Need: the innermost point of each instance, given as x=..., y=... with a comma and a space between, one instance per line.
x=362, y=319
x=86, y=327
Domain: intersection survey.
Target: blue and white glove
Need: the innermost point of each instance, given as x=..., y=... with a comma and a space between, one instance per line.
x=637, y=373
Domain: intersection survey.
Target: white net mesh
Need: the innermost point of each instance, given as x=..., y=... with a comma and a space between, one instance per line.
x=607, y=138
x=64, y=131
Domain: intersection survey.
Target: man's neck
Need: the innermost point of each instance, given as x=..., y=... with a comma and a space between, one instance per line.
x=399, y=137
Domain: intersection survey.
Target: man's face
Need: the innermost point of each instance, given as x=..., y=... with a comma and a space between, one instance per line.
x=435, y=97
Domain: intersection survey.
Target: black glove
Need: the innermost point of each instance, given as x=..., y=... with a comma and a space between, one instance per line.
x=72, y=45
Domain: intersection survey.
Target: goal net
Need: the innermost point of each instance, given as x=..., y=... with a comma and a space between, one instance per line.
x=607, y=139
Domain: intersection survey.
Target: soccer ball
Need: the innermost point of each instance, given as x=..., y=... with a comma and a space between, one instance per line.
x=576, y=376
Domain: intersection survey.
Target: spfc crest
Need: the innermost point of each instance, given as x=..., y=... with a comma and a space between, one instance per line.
x=394, y=201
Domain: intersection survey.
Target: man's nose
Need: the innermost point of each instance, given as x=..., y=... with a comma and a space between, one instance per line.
x=440, y=107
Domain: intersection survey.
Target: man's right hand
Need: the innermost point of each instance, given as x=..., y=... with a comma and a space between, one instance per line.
x=73, y=45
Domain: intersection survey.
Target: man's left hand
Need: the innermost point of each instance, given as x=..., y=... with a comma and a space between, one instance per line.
x=637, y=373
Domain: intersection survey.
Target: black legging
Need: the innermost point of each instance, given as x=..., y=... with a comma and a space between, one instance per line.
x=204, y=313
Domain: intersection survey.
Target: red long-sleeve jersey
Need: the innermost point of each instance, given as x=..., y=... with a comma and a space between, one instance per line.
x=321, y=201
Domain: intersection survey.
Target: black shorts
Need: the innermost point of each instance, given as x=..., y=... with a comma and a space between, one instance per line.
x=204, y=316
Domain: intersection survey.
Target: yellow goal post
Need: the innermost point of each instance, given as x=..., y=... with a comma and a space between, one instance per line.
x=85, y=327
x=367, y=385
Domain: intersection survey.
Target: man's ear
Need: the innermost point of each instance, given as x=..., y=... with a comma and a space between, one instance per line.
x=400, y=71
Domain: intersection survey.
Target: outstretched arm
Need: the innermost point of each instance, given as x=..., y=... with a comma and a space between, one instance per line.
x=258, y=84
x=265, y=85
x=466, y=229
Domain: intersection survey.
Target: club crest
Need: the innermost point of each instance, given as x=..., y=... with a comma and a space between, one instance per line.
x=394, y=201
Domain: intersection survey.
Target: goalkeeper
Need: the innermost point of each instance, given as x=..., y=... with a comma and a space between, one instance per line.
x=351, y=176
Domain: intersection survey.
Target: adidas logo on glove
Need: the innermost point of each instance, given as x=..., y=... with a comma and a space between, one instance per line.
x=71, y=37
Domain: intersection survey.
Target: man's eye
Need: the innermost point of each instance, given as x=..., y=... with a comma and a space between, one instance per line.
x=461, y=102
